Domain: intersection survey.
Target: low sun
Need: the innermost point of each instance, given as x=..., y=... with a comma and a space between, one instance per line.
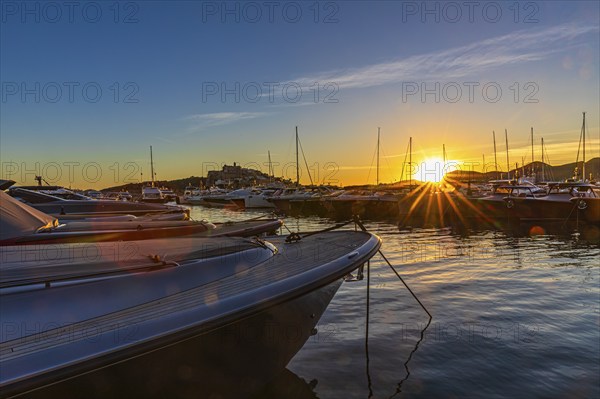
x=432, y=170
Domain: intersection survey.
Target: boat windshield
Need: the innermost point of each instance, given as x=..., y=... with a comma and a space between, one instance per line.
x=502, y=190
x=32, y=197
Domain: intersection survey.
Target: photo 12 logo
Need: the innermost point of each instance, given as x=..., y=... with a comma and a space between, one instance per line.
x=71, y=172
x=70, y=12
x=471, y=92
x=470, y=11
x=252, y=12
x=272, y=92
x=69, y=92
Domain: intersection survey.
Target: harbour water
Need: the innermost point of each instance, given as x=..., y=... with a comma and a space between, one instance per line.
x=514, y=315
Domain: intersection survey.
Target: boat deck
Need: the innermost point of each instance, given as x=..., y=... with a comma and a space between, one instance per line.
x=243, y=229
x=197, y=304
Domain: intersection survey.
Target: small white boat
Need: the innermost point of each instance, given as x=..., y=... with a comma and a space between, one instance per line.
x=216, y=198
x=153, y=194
x=192, y=196
x=252, y=198
x=169, y=195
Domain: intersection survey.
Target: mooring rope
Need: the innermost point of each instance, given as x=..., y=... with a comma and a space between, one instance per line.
x=399, y=387
x=363, y=228
x=370, y=384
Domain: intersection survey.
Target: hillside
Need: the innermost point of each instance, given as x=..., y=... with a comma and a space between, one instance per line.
x=178, y=185
x=554, y=173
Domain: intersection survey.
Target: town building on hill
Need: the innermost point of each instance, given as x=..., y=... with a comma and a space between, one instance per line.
x=234, y=176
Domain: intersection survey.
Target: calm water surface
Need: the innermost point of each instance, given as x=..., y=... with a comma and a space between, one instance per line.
x=513, y=316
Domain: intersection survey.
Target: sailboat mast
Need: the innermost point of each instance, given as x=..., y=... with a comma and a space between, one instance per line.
x=378, y=131
x=495, y=156
x=297, y=161
x=483, y=160
x=532, y=167
x=583, y=128
x=444, y=155
x=270, y=165
x=543, y=165
x=507, y=160
x=151, y=167
x=410, y=161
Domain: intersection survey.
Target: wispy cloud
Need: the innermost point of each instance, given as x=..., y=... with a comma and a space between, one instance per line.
x=203, y=121
x=459, y=62
x=198, y=123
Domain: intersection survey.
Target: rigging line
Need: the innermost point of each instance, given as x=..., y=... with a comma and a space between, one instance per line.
x=305, y=162
x=548, y=162
x=404, y=163
x=526, y=152
x=289, y=149
x=371, y=166
x=579, y=147
x=387, y=162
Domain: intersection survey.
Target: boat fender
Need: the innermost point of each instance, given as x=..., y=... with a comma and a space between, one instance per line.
x=510, y=203
x=582, y=205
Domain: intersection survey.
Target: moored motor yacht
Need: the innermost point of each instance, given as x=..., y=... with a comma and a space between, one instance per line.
x=169, y=195
x=217, y=198
x=364, y=203
x=23, y=225
x=252, y=198
x=562, y=202
x=181, y=302
x=153, y=195
x=119, y=196
x=494, y=206
x=300, y=200
x=84, y=207
x=192, y=196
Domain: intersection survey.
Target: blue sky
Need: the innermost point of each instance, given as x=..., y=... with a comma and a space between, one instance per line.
x=161, y=68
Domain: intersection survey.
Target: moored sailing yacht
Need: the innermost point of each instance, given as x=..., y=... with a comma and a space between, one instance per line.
x=150, y=193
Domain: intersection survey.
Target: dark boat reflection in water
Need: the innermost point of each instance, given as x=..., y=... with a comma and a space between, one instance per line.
x=287, y=385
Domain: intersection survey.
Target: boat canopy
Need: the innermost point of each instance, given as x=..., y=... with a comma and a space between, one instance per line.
x=18, y=219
